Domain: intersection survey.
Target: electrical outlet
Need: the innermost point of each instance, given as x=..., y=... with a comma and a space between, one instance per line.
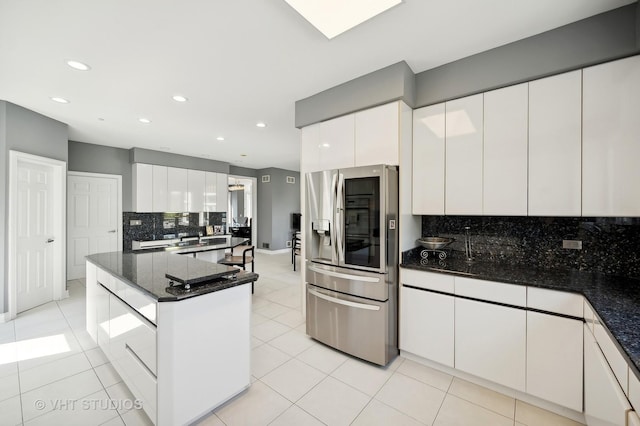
x=135, y=222
x=288, y=243
x=572, y=244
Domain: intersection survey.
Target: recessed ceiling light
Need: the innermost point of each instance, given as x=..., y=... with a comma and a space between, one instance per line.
x=100, y=119
x=144, y=120
x=243, y=155
x=78, y=66
x=219, y=138
x=59, y=100
x=179, y=98
x=261, y=124
x=333, y=17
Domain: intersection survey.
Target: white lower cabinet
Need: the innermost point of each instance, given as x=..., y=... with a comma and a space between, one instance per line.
x=102, y=318
x=132, y=351
x=554, y=359
x=490, y=342
x=633, y=419
x=604, y=400
x=426, y=325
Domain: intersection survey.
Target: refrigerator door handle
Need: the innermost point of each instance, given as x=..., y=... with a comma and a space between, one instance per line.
x=344, y=276
x=333, y=227
x=344, y=302
x=339, y=223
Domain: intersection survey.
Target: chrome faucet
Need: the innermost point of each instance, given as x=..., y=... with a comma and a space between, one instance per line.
x=467, y=244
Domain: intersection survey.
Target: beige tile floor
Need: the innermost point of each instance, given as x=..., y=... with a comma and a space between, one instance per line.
x=47, y=358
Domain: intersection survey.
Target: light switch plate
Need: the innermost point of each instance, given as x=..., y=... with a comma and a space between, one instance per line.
x=572, y=244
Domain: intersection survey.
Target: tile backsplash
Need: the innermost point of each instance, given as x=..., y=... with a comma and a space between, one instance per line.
x=158, y=226
x=610, y=245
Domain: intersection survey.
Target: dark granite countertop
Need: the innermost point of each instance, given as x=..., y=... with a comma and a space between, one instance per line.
x=616, y=300
x=185, y=247
x=146, y=271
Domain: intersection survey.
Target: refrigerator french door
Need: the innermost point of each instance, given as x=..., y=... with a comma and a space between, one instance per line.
x=351, y=260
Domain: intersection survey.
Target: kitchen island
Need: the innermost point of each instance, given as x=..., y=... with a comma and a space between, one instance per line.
x=181, y=351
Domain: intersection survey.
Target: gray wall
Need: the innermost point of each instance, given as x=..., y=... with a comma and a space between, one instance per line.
x=85, y=157
x=600, y=38
x=25, y=131
x=276, y=201
x=395, y=82
x=242, y=171
x=147, y=156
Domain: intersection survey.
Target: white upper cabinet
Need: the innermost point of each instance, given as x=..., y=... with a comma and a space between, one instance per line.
x=310, y=148
x=177, y=187
x=463, y=170
x=611, y=139
x=377, y=135
x=196, y=189
x=555, y=145
x=222, y=192
x=210, y=193
x=142, y=186
x=337, y=143
x=505, y=151
x=427, y=196
x=159, y=188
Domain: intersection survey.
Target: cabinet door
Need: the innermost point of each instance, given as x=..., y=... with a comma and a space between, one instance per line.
x=142, y=187
x=195, y=193
x=91, y=286
x=634, y=419
x=337, y=143
x=611, y=139
x=426, y=325
x=103, y=319
x=604, y=401
x=555, y=145
x=310, y=148
x=177, y=188
x=222, y=192
x=490, y=342
x=428, y=161
x=554, y=359
x=159, y=188
x=210, y=197
x=377, y=135
x=463, y=133
x=505, y=151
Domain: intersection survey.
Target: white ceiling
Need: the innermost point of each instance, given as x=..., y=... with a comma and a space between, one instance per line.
x=238, y=62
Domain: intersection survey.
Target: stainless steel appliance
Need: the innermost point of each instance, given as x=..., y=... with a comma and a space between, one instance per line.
x=351, y=260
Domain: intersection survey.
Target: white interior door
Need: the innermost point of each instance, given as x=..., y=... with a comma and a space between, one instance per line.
x=35, y=235
x=93, y=218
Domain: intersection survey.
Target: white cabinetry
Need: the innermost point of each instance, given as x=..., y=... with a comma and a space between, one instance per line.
x=196, y=190
x=426, y=325
x=142, y=187
x=428, y=160
x=504, y=180
x=159, y=188
x=611, y=139
x=177, y=188
x=634, y=419
x=604, y=401
x=463, y=170
x=337, y=143
x=554, y=359
x=377, y=132
x=555, y=145
x=310, y=148
x=490, y=342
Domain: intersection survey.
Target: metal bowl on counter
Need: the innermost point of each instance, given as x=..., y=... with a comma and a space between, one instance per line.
x=434, y=243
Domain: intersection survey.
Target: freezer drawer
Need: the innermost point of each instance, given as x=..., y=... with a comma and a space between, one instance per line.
x=358, y=283
x=361, y=327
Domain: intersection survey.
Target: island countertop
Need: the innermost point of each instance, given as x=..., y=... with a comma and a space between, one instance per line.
x=147, y=269
x=195, y=246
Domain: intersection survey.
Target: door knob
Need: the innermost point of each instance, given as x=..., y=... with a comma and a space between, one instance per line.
x=50, y=240
x=113, y=231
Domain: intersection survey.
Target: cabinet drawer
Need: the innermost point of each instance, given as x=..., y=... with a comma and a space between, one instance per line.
x=559, y=302
x=427, y=280
x=105, y=278
x=634, y=390
x=490, y=291
x=129, y=329
x=589, y=316
x=140, y=381
x=617, y=363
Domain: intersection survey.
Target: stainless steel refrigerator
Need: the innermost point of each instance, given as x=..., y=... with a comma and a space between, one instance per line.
x=351, y=260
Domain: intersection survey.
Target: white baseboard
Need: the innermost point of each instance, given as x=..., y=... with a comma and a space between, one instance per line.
x=4, y=317
x=281, y=251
